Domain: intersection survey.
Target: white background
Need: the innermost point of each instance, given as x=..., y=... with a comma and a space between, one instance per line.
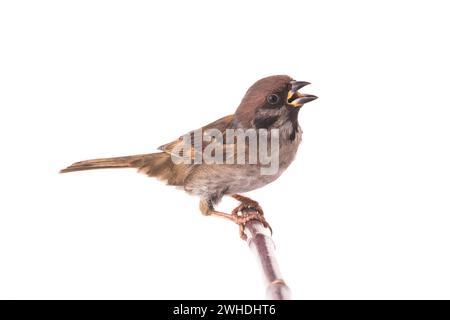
x=363, y=212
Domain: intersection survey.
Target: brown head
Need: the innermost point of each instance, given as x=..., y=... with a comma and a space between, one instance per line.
x=270, y=102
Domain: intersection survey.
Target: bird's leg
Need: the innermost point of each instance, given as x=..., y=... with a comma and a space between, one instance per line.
x=207, y=209
x=239, y=214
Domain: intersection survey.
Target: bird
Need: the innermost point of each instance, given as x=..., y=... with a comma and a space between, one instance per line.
x=270, y=105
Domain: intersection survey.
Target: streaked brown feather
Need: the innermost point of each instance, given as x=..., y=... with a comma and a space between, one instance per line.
x=175, y=148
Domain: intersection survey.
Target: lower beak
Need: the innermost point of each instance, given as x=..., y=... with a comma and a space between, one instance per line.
x=297, y=99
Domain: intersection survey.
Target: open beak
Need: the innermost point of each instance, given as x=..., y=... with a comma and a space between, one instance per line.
x=297, y=99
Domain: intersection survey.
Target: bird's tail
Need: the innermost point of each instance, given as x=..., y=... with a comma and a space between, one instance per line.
x=158, y=165
x=136, y=161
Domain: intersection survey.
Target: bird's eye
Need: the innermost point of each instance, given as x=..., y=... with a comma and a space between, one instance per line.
x=273, y=99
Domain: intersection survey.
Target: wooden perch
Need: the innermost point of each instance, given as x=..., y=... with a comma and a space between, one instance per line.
x=260, y=242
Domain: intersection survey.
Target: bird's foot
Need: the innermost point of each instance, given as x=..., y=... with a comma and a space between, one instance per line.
x=244, y=217
x=246, y=203
x=246, y=211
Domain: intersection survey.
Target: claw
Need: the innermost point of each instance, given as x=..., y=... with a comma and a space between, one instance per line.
x=242, y=218
x=246, y=211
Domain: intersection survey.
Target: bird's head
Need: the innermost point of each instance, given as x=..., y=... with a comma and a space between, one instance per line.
x=272, y=102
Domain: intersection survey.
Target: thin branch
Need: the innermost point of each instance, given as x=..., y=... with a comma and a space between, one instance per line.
x=261, y=244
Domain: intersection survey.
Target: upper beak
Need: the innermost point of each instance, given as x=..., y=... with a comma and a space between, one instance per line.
x=297, y=99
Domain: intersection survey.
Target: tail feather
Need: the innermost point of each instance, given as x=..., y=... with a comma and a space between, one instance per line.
x=158, y=165
x=118, y=162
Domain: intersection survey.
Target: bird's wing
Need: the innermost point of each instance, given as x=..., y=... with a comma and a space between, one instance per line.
x=178, y=148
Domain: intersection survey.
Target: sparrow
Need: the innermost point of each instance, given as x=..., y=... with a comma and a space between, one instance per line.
x=271, y=103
